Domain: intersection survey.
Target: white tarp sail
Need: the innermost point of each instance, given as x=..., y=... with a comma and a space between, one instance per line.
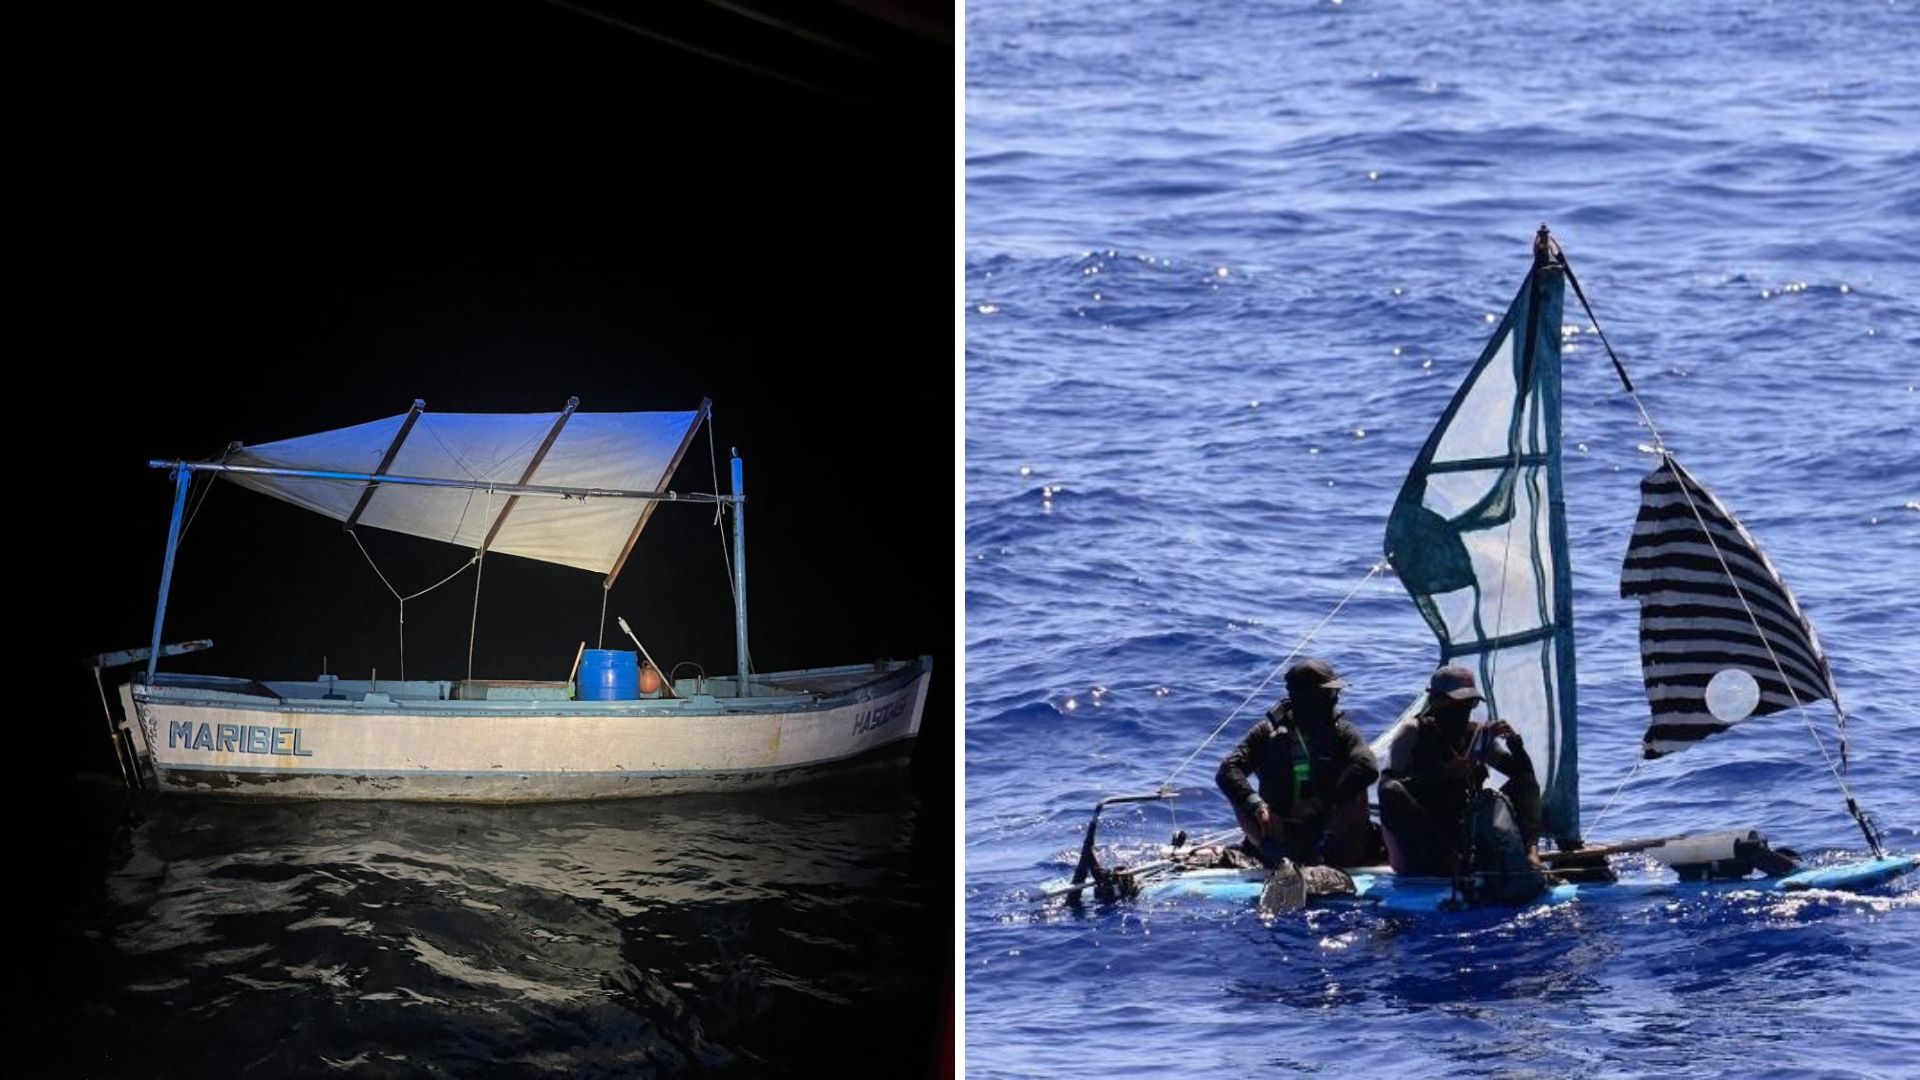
x=625, y=451
x=1478, y=537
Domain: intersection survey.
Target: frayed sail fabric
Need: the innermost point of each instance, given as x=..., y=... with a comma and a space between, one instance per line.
x=1478, y=536
x=1712, y=607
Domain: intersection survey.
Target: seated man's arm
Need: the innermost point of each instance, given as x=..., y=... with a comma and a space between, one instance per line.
x=1360, y=771
x=1234, y=777
x=1509, y=755
x=1399, y=756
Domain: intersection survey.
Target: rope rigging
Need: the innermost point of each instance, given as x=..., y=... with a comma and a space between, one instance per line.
x=1739, y=591
x=1376, y=568
x=403, y=599
x=720, y=506
x=1860, y=816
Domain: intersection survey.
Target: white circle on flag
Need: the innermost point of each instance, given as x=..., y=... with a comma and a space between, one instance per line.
x=1732, y=695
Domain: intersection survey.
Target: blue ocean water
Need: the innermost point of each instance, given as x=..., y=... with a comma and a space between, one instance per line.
x=1225, y=264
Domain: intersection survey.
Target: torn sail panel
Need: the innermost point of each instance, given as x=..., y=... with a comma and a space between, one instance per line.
x=1478, y=537
x=1711, y=604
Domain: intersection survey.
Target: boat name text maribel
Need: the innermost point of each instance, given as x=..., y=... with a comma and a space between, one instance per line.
x=236, y=738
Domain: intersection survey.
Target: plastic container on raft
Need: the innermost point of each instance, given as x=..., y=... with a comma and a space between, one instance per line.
x=608, y=675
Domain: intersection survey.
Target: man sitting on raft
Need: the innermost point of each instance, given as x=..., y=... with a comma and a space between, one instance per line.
x=1432, y=808
x=1313, y=770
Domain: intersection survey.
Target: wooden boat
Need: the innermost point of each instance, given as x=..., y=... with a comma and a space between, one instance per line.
x=574, y=489
x=1478, y=536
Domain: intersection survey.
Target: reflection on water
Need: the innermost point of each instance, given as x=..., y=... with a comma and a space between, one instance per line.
x=695, y=933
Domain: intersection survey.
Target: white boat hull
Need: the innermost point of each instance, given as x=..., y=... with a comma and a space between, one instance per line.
x=204, y=741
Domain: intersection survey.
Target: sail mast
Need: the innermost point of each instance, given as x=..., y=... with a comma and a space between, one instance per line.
x=1548, y=294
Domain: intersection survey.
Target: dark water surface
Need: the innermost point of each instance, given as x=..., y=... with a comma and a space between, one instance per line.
x=1225, y=265
x=771, y=934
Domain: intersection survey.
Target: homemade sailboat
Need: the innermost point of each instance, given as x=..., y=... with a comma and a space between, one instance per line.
x=570, y=488
x=1478, y=536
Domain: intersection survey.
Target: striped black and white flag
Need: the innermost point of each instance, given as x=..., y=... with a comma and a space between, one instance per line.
x=1716, y=621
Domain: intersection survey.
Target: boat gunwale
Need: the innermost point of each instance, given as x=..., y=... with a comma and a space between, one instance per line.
x=900, y=674
x=195, y=782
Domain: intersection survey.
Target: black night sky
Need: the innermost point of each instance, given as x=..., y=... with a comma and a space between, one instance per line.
x=255, y=226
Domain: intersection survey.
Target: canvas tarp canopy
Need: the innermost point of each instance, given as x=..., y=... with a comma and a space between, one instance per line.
x=617, y=451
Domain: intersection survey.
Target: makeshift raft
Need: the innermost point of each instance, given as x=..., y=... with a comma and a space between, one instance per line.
x=1478, y=536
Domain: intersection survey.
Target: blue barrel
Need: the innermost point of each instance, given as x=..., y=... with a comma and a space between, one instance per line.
x=608, y=675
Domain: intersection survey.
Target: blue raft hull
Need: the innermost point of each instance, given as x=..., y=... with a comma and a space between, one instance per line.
x=1381, y=887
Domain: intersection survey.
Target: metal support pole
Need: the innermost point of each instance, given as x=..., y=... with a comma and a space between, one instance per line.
x=740, y=571
x=181, y=478
x=120, y=752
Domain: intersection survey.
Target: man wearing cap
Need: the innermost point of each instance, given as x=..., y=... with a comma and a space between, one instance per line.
x=1313, y=770
x=1436, y=762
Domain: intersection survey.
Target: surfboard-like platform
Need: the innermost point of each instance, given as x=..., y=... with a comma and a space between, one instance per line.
x=1379, y=886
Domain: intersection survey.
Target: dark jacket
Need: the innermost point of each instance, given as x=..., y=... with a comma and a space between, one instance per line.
x=1339, y=763
x=1420, y=765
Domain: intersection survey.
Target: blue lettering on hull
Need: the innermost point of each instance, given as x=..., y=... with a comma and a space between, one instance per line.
x=879, y=717
x=236, y=739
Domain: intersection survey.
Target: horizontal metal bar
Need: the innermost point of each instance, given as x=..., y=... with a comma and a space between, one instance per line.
x=430, y=481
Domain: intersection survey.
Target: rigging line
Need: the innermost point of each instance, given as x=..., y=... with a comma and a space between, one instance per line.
x=472, y=471
x=376, y=566
x=798, y=31
x=396, y=593
x=1660, y=447
x=1602, y=815
x=396, y=596
x=1506, y=558
x=1167, y=784
x=1618, y=368
x=473, y=629
x=719, y=508
x=462, y=462
x=403, y=599
x=1513, y=489
x=705, y=53
x=461, y=570
x=1740, y=592
x=1506, y=552
x=225, y=453
x=479, y=559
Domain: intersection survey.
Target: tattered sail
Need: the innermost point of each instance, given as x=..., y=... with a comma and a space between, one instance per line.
x=1711, y=603
x=624, y=451
x=1478, y=536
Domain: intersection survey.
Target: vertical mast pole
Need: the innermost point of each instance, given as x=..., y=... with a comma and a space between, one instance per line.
x=182, y=477
x=1543, y=342
x=740, y=572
